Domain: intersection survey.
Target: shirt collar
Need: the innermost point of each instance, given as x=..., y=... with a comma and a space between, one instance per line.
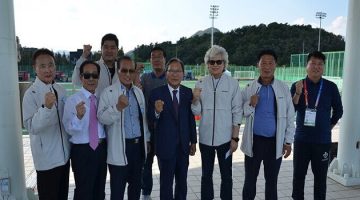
x=86, y=93
x=171, y=89
x=260, y=80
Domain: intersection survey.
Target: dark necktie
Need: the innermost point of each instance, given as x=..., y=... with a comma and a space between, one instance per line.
x=175, y=103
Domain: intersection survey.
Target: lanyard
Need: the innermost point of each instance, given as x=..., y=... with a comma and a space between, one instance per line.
x=318, y=95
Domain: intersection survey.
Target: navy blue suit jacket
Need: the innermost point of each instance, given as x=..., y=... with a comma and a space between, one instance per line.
x=172, y=133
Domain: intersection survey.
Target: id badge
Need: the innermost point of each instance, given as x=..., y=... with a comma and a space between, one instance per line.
x=310, y=116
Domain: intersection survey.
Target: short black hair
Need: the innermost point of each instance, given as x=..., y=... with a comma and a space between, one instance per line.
x=316, y=54
x=267, y=52
x=175, y=60
x=157, y=48
x=124, y=58
x=42, y=51
x=111, y=37
x=86, y=62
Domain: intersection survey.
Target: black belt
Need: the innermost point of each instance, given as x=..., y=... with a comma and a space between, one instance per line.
x=101, y=141
x=133, y=140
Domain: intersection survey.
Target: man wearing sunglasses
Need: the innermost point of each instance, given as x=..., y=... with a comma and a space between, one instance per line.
x=107, y=62
x=122, y=110
x=217, y=99
x=87, y=135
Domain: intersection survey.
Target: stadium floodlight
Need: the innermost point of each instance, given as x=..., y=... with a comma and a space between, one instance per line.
x=320, y=16
x=214, y=13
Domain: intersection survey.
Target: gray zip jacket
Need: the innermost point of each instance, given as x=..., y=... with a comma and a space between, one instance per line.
x=285, y=127
x=113, y=120
x=49, y=142
x=218, y=112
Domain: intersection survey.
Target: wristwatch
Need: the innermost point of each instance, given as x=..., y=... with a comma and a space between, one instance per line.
x=236, y=139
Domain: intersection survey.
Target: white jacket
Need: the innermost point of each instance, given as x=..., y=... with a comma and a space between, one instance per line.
x=105, y=79
x=285, y=127
x=49, y=142
x=219, y=113
x=113, y=120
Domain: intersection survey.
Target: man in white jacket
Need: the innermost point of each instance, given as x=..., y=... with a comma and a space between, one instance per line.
x=122, y=110
x=107, y=62
x=217, y=99
x=43, y=106
x=269, y=127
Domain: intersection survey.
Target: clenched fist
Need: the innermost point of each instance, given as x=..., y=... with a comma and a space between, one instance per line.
x=299, y=87
x=50, y=100
x=196, y=94
x=123, y=102
x=254, y=100
x=159, y=106
x=86, y=50
x=80, y=110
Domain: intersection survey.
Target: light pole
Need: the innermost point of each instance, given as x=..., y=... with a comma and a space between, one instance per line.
x=214, y=12
x=320, y=15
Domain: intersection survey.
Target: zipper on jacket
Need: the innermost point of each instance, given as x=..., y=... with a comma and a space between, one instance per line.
x=213, y=136
x=214, y=89
x=59, y=122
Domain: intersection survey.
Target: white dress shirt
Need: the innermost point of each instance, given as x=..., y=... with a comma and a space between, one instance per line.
x=77, y=128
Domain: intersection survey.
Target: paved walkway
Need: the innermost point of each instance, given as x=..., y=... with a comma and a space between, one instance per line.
x=334, y=189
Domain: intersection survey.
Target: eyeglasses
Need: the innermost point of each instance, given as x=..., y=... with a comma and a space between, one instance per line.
x=174, y=71
x=218, y=62
x=88, y=75
x=126, y=71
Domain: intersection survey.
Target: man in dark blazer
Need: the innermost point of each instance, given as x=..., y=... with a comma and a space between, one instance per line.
x=175, y=129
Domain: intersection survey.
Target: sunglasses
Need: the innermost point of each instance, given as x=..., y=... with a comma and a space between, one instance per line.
x=125, y=71
x=218, y=62
x=89, y=75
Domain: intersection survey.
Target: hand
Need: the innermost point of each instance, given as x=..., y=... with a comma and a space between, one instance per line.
x=299, y=87
x=137, y=83
x=159, y=106
x=139, y=67
x=233, y=146
x=86, y=50
x=123, y=102
x=286, y=150
x=80, y=110
x=192, y=149
x=50, y=100
x=254, y=99
x=196, y=94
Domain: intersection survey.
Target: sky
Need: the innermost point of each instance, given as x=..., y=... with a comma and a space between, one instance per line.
x=69, y=24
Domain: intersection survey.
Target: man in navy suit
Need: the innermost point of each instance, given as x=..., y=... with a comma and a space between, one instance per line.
x=175, y=129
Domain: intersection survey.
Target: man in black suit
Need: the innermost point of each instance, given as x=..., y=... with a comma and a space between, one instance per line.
x=170, y=109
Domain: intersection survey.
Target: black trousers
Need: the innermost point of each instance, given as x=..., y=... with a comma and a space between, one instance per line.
x=53, y=184
x=131, y=174
x=89, y=167
x=264, y=150
x=318, y=155
x=175, y=167
x=207, y=163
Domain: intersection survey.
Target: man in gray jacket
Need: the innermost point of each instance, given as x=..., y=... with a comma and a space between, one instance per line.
x=122, y=110
x=217, y=99
x=269, y=127
x=107, y=62
x=43, y=106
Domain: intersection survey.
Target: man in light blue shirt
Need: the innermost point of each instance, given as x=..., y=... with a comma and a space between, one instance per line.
x=89, y=149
